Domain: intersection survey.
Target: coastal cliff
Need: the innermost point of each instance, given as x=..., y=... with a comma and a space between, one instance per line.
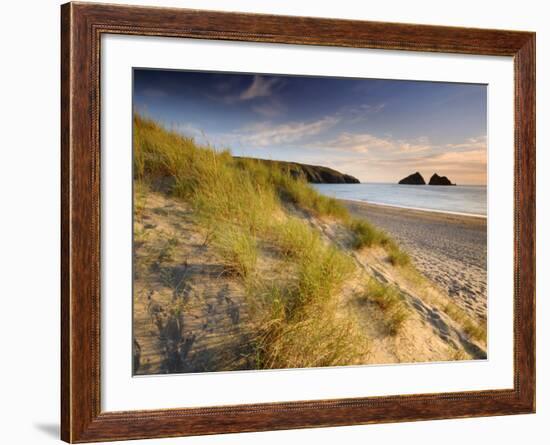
x=312, y=173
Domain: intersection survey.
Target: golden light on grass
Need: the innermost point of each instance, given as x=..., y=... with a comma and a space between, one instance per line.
x=264, y=226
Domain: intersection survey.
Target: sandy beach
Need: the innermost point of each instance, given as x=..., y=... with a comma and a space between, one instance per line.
x=449, y=249
x=239, y=265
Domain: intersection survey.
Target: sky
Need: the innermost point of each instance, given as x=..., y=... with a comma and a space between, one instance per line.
x=374, y=129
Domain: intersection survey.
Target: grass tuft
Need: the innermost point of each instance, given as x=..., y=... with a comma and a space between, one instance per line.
x=320, y=338
x=471, y=327
x=238, y=250
x=321, y=272
x=300, y=327
x=294, y=238
x=366, y=235
x=388, y=299
x=303, y=195
x=396, y=256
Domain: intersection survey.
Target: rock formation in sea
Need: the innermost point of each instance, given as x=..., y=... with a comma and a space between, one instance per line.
x=439, y=180
x=311, y=173
x=414, y=179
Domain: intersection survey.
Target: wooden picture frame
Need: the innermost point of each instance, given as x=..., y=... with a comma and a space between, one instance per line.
x=82, y=25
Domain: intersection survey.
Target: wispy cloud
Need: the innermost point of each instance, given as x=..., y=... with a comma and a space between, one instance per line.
x=266, y=134
x=476, y=143
x=466, y=165
x=469, y=159
x=260, y=87
x=373, y=158
x=270, y=109
x=369, y=143
x=360, y=113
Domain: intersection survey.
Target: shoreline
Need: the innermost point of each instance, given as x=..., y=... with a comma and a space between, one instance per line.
x=450, y=249
x=419, y=209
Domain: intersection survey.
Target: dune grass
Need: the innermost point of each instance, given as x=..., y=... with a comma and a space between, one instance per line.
x=238, y=250
x=140, y=192
x=218, y=185
x=204, y=177
x=245, y=205
x=366, y=235
x=471, y=327
x=290, y=188
x=396, y=256
x=318, y=338
x=300, y=193
x=321, y=273
x=236, y=200
x=298, y=323
x=301, y=326
x=388, y=299
x=244, y=191
x=293, y=238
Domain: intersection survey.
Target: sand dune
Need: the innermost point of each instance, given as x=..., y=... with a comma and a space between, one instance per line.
x=240, y=265
x=213, y=330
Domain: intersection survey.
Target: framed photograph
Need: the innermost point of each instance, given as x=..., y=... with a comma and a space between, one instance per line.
x=275, y=222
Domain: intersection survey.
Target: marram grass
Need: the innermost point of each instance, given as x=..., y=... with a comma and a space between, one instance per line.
x=296, y=315
x=391, y=303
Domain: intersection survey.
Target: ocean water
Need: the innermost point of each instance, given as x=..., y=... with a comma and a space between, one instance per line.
x=464, y=199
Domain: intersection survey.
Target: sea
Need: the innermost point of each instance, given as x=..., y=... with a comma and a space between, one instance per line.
x=459, y=199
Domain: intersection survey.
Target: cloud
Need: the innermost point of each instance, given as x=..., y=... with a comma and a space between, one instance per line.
x=386, y=159
x=476, y=143
x=366, y=142
x=269, y=109
x=265, y=134
x=469, y=159
x=463, y=167
x=260, y=87
x=360, y=113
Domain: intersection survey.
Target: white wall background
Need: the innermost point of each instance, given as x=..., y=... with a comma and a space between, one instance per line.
x=29, y=218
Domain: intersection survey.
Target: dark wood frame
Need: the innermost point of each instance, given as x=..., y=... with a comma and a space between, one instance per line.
x=81, y=28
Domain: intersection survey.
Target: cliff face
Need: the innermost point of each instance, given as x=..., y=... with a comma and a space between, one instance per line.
x=440, y=180
x=414, y=179
x=312, y=173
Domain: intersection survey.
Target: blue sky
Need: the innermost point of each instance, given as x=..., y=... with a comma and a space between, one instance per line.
x=377, y=130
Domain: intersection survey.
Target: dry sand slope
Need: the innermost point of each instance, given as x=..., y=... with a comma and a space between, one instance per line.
x=429, y=333
x=190, y=316
x=450, y=249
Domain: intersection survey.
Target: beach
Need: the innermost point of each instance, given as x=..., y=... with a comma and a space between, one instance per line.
x=449, y=249
x=240, y=265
